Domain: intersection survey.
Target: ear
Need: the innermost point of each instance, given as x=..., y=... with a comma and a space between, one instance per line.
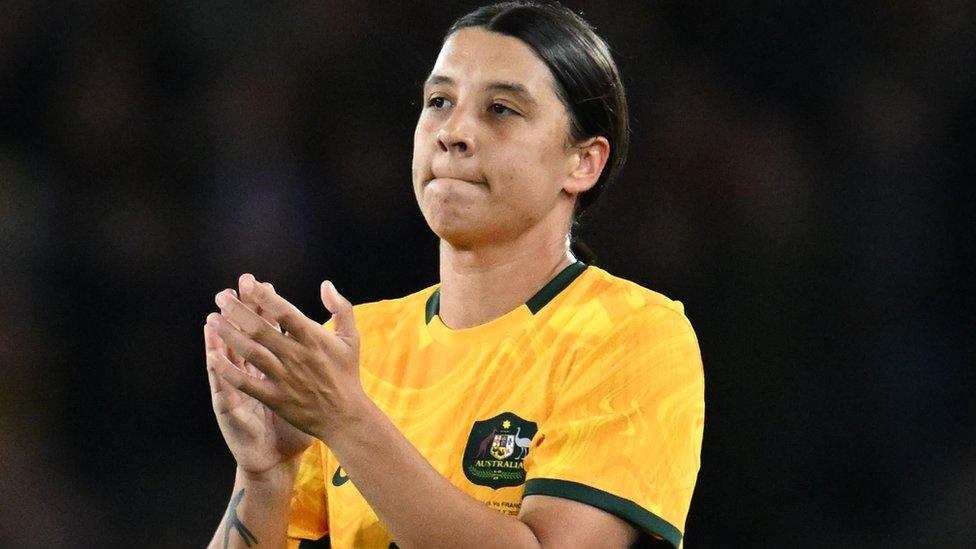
x=586, y=164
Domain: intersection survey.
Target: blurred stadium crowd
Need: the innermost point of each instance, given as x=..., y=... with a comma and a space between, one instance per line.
x=800, y=177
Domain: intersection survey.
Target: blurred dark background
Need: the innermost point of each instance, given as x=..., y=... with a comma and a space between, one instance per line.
x=800, y=177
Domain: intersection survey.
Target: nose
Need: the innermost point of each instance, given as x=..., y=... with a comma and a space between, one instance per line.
x=456, y=135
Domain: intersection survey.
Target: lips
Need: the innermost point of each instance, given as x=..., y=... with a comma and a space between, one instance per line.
x=469, y=180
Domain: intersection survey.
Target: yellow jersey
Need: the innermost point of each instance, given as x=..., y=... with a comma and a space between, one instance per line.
x=593, y=390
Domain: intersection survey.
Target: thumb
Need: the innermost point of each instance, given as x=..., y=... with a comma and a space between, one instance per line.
x=341, y=309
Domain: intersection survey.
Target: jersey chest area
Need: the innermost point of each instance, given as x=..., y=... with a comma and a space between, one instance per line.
x=474, y=411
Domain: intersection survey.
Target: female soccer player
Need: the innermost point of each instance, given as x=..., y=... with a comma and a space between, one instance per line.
x=527, y=399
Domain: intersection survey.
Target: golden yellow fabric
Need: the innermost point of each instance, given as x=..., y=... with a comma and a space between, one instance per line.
x=606, y=379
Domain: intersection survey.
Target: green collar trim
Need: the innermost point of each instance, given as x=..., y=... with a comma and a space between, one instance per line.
x=536, y=302
x=433, y=304
x=556, y=285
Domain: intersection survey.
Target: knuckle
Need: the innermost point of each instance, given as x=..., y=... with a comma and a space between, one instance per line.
x=258, y=355
x=304, y=355
x=297, y=331
x=249, y=354
x=256, y=330
x=286, y=355
x=271, y=328
x=288, y=317
x=274, y=320
x=260, y=294
x=243, y=383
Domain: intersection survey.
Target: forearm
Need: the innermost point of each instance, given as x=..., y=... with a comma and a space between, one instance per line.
x=416, y=504
x=257, y=515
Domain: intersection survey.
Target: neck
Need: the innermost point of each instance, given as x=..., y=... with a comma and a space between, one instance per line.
x=480, y=285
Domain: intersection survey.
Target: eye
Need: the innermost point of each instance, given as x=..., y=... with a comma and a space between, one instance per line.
x=438, y=102
x=501, y=110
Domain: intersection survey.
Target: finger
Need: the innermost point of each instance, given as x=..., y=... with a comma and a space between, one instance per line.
x=266, y=315
x=212, y=344
x=237, y=359
x=250, y=323
x=342, y=315
x=279, y=309
x=215, y=346
x=212, y=341
x=250, y=350
x=234, y=357
x=223, y=395
x=248, y=300
x=261, y=389
x=253, y=370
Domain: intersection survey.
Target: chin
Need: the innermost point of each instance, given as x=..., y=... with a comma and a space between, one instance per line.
x=459, y=231
x=453, y=231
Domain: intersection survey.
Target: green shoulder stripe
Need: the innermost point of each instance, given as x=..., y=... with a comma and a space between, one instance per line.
x=623, y=508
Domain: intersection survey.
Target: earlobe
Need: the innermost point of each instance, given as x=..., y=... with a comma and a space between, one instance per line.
x=590, y=158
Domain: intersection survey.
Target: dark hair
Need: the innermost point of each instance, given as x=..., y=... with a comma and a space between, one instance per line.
x=587, y=80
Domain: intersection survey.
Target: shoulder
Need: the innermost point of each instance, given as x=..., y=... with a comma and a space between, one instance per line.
x=635, y=338
x=628, y=296
x=613, y=306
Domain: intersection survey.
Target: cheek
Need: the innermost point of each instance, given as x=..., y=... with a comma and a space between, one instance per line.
x=523, y=189
x=421, y=152
x=533, y=170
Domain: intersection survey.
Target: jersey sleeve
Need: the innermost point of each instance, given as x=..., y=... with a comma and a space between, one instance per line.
x=308, y=519
x=625, y=430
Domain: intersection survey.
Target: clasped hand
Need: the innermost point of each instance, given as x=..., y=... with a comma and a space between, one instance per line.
x=311, y=375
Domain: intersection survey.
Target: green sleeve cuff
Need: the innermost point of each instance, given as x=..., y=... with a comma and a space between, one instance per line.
x=322, y=543
x=620, y=507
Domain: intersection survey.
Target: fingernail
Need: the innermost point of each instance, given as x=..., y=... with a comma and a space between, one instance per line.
x=212, y=320
x=247, y=283
x=221, y=300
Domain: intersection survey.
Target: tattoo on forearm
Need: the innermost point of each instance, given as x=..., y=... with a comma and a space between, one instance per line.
x=234, y=522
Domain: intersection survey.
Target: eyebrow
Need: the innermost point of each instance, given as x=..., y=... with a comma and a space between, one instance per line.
x=518, y=90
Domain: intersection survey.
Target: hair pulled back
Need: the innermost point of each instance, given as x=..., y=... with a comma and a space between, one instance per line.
x=586, y=77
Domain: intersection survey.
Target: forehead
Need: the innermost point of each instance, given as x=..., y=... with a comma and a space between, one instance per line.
x=475, y=56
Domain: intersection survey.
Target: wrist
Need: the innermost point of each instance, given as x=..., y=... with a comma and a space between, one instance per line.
x=280, y=478
x=358, y=415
